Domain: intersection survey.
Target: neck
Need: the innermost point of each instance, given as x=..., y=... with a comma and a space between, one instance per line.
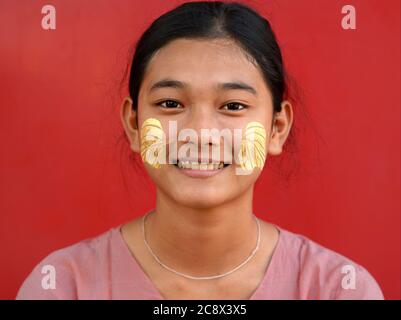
x=202, y=241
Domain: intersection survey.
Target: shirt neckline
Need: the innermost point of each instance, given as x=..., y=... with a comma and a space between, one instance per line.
x=155, y=292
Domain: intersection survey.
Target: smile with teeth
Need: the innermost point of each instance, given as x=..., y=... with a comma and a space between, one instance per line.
x=200, y=165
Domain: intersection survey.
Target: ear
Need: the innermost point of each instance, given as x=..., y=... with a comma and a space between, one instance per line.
x=129, y=121
x=282, y=122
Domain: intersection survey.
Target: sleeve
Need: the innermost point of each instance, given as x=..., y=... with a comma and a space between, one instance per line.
x=357, y=284
x=51, y=279
x=328, y=275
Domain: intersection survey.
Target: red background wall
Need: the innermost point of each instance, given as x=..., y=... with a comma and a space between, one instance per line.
x=62, y=166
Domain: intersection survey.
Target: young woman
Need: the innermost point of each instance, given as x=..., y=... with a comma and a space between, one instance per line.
x=203, y=65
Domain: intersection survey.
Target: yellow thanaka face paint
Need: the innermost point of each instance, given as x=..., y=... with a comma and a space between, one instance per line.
x=253, y=151
x=153, y=147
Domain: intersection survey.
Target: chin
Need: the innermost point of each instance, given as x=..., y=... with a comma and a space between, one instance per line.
x=200, y=199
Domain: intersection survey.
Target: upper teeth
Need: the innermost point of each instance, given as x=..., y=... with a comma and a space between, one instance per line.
x=199, y=166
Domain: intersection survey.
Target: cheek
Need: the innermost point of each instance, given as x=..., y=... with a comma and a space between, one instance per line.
x=244, y=182
x=226, y=186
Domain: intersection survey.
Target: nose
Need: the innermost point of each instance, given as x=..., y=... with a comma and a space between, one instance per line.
x=201, y=117
x=201, y=120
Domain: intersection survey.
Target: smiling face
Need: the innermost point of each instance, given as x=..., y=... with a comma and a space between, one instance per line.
x=204, y=84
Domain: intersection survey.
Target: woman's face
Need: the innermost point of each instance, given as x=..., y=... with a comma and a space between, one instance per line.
x=199, y=100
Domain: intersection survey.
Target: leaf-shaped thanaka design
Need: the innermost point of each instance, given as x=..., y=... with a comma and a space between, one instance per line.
x=253, y=147
x=153, y=147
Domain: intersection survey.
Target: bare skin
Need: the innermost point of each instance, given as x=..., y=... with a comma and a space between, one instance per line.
x=238, y=285
x=204, y=227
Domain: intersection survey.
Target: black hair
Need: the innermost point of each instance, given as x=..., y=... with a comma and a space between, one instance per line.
x=213, y=20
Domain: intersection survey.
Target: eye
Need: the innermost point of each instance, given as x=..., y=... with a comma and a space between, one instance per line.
x=169, y=104
x=234, y=106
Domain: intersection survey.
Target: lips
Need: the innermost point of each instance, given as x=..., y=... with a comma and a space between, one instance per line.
x=197, y=169
x=195, y=165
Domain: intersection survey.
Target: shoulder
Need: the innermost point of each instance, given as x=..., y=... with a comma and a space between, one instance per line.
x=325, y=274
x=62, y=272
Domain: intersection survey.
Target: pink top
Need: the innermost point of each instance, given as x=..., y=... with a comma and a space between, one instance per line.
x=104, y=268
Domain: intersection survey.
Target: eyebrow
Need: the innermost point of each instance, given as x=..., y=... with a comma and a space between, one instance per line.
x=234, y=85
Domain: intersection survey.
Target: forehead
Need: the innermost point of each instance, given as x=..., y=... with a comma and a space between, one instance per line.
x=202, y=62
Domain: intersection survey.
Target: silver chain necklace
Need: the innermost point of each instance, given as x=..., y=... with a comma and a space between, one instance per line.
x=201, y=278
